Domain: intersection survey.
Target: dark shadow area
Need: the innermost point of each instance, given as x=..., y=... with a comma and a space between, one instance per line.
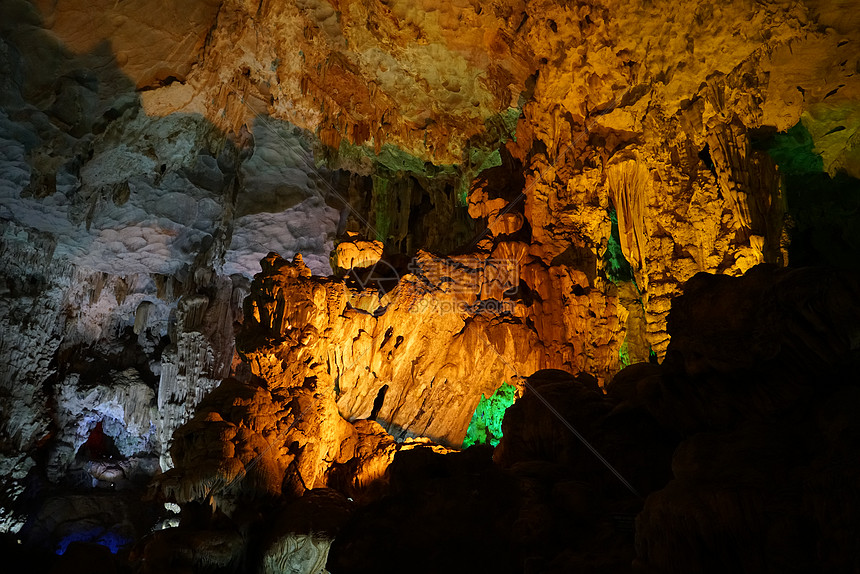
x=378, y=402
x=823, y=211
x=825, y=220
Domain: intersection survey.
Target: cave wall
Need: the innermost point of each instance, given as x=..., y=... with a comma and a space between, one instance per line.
x=155, y=157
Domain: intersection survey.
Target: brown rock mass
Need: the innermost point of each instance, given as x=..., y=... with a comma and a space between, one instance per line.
x=266, y=267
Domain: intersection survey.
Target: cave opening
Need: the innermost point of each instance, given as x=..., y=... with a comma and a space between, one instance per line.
x=98, y=446
x=823, y=209
x=705, y=156
x=378, y=402
x=615, y=265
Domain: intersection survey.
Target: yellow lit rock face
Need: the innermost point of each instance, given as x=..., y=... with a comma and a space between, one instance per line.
x=247, y=440
x=459, y=200
x=171, y=143
x=423, y=76
x=619, y=101
x=356, y=254
x=396, y=160
x=626, y=101
x=420, y=357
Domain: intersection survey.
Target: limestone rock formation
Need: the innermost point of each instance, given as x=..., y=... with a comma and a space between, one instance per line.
x=277, y=247
x=121, y=410
x=349, y=255
x=305, y=530
x=764, y=479
x=376, y=351
x=247, y=440
x=716, y=482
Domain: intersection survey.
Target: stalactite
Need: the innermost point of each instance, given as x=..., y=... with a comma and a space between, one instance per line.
x=628, y=187
x=141, y=317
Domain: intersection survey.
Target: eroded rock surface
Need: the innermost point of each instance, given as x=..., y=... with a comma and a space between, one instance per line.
x=757, y=477
x=499, y=188
x=419, y=356
x=718, y=482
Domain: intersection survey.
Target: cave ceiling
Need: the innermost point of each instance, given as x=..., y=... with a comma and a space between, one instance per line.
x=265, y=248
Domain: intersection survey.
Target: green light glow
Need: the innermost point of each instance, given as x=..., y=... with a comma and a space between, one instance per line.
x=397, y=159
x=617, y=267
x=624, y=354
x=794, y=152
x=476, y=158
x=463, y=194
x=823, y=209
x=486, y=425
x=382, y=206
x=503, y=126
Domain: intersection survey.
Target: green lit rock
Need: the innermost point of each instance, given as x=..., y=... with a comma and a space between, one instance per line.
x=484, y=159
x=794, y=152
x=477, y=158
x=616, y=265
x=382, y=207
x=503, y=126
x=835, y=130
x=486, y=425
x=624, y=354
x=822, y=199
x=396, y=160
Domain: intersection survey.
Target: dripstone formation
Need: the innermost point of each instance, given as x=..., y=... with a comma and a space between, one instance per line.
x=266, y=267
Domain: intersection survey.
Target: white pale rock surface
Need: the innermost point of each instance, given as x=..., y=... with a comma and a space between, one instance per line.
x=297, y=554
x=125, y=407
x=144, y=209
x=282, y=207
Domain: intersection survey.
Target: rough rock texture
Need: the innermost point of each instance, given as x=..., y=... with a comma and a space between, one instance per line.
x=258, y=441
x=304, y=533
x=380, y=354
x=122, y=410
x=124, y=244
x=657, y=123
x=250, y=442
x=478, y=191
x=345, y=69
x=762, y=482
x=738, y=452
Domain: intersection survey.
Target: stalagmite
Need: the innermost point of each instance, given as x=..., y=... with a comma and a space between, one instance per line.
x=275, y=262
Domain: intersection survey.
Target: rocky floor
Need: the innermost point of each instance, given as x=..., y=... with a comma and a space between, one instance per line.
x=264, y=267
x=733, y=454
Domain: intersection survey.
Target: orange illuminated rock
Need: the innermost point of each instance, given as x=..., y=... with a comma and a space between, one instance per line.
x=247, y=440
x=153, y=42
x=419, y=357
x=649, y=108
x=570, y=165
x=353, y=254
